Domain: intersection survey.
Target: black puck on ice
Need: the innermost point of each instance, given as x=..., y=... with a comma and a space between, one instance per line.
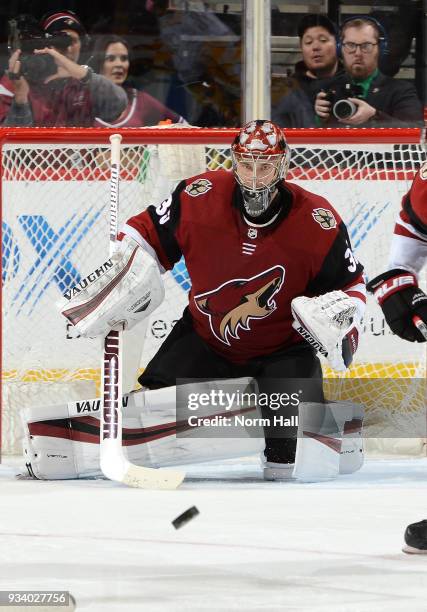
x=416, y=538
x=185, y=517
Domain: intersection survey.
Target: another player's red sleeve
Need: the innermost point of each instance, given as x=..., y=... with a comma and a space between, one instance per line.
x=412, y=221
x=409, y=243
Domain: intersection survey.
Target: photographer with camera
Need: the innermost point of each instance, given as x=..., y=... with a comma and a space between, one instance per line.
x=66, y=22
x=47, y=88
x=363, y=96
x=319, y=66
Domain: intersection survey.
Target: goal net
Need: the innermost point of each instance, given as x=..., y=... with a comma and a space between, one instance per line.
x=55, y=219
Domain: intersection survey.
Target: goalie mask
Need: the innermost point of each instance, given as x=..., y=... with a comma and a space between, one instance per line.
x=260, y=158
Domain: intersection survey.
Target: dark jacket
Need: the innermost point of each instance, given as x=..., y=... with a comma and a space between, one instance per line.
x=296, y=108
x=396, y=102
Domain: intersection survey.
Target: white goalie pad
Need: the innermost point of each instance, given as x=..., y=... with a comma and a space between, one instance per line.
x=352, y=449
x=124, y=290
x=62, y=441
x=329, y=440
x=328, y=322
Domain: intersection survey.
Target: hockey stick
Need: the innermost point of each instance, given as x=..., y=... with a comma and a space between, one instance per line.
x=420, y=325
x=114, y=464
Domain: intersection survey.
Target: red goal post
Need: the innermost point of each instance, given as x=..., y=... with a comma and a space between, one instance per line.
x=54, y=231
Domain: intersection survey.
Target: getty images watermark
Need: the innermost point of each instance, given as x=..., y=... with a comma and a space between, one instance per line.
x=234, y=406
x=240, y=407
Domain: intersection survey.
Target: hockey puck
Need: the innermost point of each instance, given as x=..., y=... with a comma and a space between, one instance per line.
x=416, y=538
x=185, y=517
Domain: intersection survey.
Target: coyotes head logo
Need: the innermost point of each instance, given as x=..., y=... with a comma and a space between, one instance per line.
x=233, y=304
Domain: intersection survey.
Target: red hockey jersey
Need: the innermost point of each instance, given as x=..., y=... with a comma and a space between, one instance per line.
x=142, y=109
x=245, y=277
x=409, y=245
x=413, y=215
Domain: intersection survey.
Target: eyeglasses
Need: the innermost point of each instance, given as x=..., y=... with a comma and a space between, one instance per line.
x=366, y=47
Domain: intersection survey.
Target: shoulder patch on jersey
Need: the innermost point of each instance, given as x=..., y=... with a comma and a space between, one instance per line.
x=198, y=187
x=423, y=171
x=324, y=218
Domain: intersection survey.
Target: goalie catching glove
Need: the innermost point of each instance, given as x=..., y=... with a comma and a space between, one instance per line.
x=400, y=299
x=328, y=323
x=122, y=291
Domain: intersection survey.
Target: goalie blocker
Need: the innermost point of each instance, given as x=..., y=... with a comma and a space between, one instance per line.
x=124, y=290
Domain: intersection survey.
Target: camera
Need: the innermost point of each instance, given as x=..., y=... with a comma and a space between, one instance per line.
x=26, y=34
x=342, y=108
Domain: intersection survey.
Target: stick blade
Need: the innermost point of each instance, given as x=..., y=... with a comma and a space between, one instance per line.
x=154, y=479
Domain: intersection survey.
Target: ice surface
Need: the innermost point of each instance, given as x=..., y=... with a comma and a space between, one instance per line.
x=255, y=545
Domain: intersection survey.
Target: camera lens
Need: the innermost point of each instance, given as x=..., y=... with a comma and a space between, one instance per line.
x=344, y=109
x=36, y=68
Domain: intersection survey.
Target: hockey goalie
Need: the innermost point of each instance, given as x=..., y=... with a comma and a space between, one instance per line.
x=275, y=284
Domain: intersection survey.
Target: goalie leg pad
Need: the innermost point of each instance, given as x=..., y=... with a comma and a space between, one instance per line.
x=62, y=441
x=197, y=442
x=320, y=431
x=352, y=451
x=59, y=458
x=329, y=443
x=121, y=292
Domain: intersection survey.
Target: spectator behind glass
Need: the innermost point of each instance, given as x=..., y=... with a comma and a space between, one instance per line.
x=204, y=54
x=402, y=23
x=68, y=23
x=71, y=96
x=378, y=100
x=319, y=65
x=111, y=59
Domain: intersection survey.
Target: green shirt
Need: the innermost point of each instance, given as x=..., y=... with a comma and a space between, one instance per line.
x=366, y=83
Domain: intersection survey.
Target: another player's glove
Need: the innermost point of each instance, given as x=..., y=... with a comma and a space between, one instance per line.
x=400, y=299
x=328, y=323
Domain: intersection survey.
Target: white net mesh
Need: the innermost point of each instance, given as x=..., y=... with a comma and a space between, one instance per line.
x=55, y=231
